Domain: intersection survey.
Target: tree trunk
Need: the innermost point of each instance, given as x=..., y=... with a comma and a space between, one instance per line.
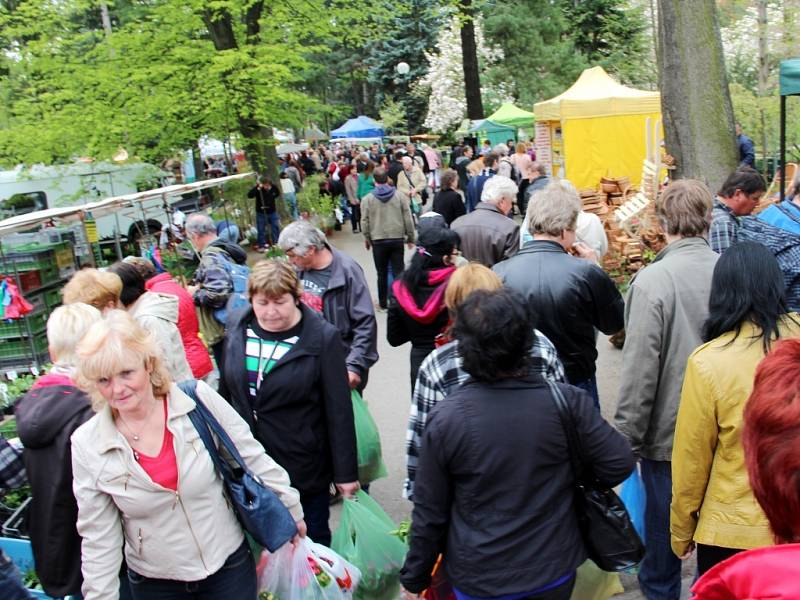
x=695, y=101
x=257, y=139
x=763, y=77
x=469, y=53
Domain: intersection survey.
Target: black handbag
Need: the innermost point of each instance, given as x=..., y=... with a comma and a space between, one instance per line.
x=258, y=508
x=606, y=528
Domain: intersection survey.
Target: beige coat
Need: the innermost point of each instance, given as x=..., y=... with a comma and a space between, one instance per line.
x=158, y=314
x=185, y=535
x=416, y=179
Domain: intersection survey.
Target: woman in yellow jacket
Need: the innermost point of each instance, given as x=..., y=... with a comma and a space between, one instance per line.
x=713, y=506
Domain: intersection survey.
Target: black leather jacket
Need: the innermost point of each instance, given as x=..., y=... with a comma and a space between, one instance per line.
x=570, y=297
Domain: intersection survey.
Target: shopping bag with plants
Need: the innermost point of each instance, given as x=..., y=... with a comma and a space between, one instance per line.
x=368, y=442
x=364, y=538
x=309, y=571
x=593, y=584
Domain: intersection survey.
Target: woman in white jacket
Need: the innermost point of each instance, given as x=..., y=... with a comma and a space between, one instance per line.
x=145, y=483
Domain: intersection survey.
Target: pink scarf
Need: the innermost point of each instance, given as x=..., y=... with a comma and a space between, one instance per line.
x=435, y=304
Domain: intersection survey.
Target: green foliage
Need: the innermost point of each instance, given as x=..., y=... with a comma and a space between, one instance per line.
x=392, y=116
x=611, y=33
x=747, y=107
x=540, y=59
x=319, y=206
x=411, y=31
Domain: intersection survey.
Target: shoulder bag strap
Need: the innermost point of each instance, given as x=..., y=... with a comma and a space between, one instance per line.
x=206, y=424
x=568, y=423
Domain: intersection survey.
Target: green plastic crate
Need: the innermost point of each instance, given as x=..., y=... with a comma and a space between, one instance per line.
x=17, y=352
x=18, y=327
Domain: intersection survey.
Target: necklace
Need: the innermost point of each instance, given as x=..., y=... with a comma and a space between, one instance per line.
x=132, y=433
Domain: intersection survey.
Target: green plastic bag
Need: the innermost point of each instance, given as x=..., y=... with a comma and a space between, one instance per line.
x=593, y=584
x=368, y=441
x=364, y=539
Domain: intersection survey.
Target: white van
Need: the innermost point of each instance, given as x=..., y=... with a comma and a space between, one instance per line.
x=28, y=189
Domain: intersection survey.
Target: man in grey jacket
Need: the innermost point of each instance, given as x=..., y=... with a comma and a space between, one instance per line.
x=334, y=285
x=487, y=234
x=666, y=307
x=386, y=223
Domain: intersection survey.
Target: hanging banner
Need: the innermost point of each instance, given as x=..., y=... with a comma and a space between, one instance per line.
x=544, y=152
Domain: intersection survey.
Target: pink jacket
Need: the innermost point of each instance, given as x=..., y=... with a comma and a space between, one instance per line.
x=196, y=351
x=759, y=574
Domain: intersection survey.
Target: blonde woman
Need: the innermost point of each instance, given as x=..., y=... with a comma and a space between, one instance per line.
x=145, y=484
x=100, y=289
x=46, y=418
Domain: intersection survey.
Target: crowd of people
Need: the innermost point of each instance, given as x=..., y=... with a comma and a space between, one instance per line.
x=501, y=317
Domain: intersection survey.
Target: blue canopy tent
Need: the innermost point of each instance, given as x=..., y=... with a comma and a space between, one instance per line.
x=360, y=127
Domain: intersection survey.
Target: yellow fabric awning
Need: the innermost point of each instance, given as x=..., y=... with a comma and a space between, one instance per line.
x=596, y=94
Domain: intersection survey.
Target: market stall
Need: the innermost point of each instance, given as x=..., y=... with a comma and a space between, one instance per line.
x=513, y=116
x=496, y=133
x=790, y=86
x=360, y=127
x=39, y=252
x=597, y=128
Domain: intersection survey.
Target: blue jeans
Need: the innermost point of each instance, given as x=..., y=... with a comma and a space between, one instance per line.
x=660, y=571
x=261, y=225
x=11, y=587
x=291, y=200
x=317, y=511
x=590, y=385
x=235, y=579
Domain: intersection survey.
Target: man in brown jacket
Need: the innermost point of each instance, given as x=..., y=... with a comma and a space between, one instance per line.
x=488, y=235
x=386, y=223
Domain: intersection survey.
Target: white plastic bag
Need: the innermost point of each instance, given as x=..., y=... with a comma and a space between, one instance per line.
x=309, y=572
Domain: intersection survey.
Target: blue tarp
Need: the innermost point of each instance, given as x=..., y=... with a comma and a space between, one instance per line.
x=361, y=126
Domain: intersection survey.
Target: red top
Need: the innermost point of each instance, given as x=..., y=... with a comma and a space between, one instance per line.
x=162, y=469
x=196, y=351
x=759, y=574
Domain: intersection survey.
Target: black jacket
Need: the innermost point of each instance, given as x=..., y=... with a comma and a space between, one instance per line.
x=494, y=486
x=46, y=418
x=303, y=414
x=265, y=199
x=347, y=304
x=401, y=327
x=569, y=297
x=449, y=204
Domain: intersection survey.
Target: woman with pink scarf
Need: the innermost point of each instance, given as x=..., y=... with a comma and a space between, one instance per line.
x=417, y=312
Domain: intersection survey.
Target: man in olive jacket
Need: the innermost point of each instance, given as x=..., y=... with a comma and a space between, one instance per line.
x=666, y=307
x=386, y=223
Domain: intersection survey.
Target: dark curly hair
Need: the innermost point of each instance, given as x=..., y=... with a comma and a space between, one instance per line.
x=495, y=333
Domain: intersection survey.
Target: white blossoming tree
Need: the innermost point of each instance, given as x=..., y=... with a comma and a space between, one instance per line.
x=447, y=105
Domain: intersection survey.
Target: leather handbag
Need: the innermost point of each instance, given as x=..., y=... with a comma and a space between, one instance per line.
x=260, y=511
x=606, y=528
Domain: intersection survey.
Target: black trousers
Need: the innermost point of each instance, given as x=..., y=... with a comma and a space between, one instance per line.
x=355, y=216
x=385, y=253
x=708, y=556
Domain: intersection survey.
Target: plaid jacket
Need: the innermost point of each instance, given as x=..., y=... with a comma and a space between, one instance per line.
x=441, y=373
x=12, y=469
x=724, y=227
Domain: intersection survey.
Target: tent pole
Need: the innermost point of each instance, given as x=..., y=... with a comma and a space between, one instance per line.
x=783, y=147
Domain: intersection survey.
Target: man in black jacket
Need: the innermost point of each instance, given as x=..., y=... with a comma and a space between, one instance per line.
x=571, y=295
x=334, y=285
x=266, y=194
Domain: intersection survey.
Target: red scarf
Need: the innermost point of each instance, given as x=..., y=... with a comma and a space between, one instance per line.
x=435, y=304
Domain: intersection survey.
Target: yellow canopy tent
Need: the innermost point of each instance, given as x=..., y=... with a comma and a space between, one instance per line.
x=595, y=129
